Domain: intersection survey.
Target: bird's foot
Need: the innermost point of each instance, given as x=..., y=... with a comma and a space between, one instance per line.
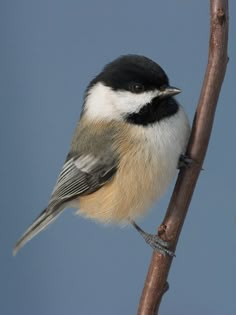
x=154, y=241
x=184, y=161
x=157, y=244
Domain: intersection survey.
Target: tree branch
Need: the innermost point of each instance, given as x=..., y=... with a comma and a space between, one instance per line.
x=156, y=280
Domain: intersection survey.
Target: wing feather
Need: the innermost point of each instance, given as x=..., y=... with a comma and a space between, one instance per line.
x=82, y=175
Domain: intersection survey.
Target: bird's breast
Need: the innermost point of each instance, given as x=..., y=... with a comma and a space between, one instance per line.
x=148, y=162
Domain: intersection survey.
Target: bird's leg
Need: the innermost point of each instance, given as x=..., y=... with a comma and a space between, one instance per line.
x=184, y=161
x=154, y=241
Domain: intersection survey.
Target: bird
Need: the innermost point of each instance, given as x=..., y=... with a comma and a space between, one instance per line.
x=125, y=151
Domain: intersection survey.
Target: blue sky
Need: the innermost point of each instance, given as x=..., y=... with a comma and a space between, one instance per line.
x=50, y=50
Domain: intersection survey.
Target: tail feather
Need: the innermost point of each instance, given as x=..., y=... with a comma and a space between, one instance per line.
x=44, y=219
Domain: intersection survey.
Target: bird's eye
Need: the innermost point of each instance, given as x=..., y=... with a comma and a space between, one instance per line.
x=137, y=88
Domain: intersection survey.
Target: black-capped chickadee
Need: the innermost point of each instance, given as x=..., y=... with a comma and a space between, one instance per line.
x=125, y=149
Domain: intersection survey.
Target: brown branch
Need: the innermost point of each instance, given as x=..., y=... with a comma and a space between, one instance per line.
x=156, y=280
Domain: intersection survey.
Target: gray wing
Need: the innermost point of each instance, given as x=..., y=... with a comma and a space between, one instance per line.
x=82, y=175
x=91, y=163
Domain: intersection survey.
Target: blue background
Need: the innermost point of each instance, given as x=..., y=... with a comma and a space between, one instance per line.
x=50, y=50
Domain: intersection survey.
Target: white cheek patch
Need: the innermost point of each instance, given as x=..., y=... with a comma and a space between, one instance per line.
x=128, y=102
x=104, y=103
x=98, y=103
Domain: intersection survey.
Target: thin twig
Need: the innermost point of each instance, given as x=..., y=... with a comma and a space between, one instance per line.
x=156, y=280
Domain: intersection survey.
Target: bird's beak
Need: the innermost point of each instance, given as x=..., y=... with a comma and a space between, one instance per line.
x=169, y=91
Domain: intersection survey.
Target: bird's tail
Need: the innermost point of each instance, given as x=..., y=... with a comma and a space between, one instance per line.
x=43, y=220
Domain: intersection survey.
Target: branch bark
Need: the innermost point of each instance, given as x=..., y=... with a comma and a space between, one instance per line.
x=156, y=280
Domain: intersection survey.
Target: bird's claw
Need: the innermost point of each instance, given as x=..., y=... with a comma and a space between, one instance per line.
x=158, y=244
x=184, y=161
x=154, y=241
